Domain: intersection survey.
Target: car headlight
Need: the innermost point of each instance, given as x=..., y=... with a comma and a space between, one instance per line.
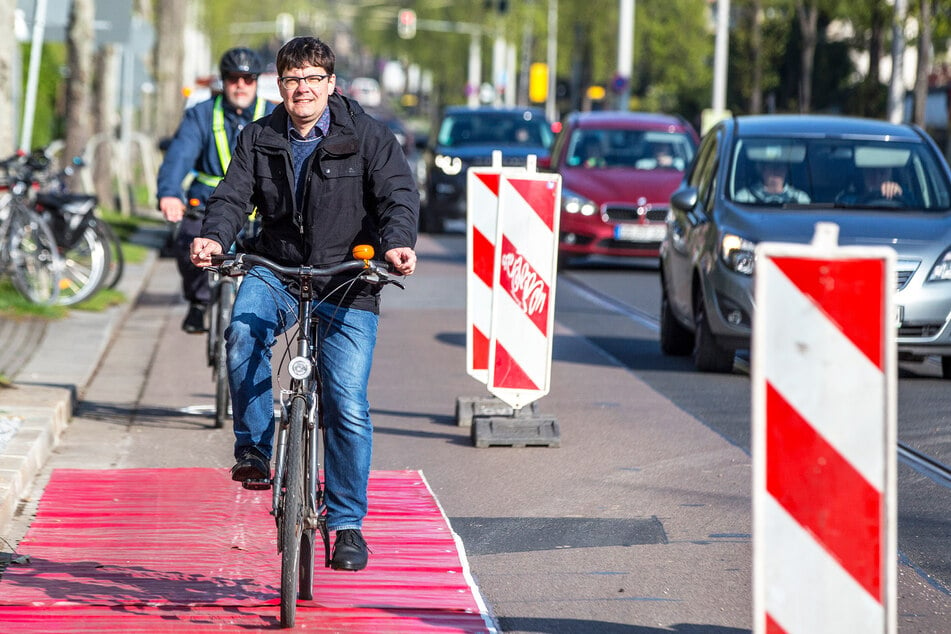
x=738, y=253
x=942, y=268
x=450, y=165
x=574, y=203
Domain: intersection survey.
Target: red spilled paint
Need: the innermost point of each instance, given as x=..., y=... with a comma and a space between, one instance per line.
x=856, y=305
x=188, y=549
x=824, y=493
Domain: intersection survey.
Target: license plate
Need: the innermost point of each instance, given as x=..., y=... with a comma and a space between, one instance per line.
x=640, y=233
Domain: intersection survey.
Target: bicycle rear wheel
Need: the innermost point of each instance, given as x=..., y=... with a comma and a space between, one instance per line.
x=292, y=514
x=85, y=266
x=33, y=256
x=222, y=317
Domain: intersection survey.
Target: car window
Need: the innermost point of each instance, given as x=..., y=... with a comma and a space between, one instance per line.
x=641, y=149
x=838, y=172
x=495, y=128
x=702, y=174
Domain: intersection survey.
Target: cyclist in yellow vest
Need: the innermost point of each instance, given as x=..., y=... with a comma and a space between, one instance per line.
x=202, y=148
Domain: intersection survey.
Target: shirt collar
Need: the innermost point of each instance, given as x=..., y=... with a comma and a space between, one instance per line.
x=321, y=128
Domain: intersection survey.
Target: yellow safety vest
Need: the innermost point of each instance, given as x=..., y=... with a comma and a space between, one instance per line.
x=221, y=139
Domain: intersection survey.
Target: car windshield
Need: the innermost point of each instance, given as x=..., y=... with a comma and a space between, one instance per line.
x=496, y=129
x=625, y=148
x=844, y=173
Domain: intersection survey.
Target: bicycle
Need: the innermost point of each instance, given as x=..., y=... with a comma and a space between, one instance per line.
x=91, y=252
x=297, y=491
x=27, y=244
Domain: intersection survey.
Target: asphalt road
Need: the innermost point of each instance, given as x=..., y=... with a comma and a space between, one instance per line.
x=639, y=522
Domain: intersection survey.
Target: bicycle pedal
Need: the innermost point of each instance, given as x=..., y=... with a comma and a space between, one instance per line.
x=256, y=485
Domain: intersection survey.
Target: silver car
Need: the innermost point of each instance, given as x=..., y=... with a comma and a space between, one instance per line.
x=772, y=178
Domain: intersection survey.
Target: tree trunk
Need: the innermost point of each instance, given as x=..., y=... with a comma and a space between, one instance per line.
x=808, y=27
x=80, y=42
x=896, y=84
x=8, y=52
x=924, y=62
x=106, y=124
x=756, y=43
x=169, y=54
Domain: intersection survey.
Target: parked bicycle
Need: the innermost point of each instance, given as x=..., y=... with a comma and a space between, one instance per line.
x=28, y=248
x=91, y=252
x=298, y=493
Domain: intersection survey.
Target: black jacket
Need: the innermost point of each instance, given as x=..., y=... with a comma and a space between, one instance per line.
x=359, y=190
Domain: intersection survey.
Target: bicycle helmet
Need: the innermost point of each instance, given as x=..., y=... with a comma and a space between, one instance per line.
x=240, y=61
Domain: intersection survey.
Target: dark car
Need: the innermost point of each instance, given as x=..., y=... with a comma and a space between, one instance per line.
x=618, y=170
x=466, y=138
x=772, y=178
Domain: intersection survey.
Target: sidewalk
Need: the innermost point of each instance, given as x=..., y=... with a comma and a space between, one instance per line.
x=50, y=365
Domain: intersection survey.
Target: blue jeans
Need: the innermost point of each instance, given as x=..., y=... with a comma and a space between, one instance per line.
x=264, y=309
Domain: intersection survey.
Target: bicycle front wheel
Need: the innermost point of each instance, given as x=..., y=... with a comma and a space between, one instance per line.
x=85, y=266
x=226, y=291
x=292, y=524
x=33, y=256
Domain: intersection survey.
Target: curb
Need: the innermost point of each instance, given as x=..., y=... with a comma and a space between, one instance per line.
x=56, y=374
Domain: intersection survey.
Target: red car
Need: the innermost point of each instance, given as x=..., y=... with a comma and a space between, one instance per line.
x=618, y=171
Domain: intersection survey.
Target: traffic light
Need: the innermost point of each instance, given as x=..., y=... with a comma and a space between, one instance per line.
x=406, y=24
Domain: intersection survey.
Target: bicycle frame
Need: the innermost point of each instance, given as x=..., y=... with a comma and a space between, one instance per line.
x=307, y=388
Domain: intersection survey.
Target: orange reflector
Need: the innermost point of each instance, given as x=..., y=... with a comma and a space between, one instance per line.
x=363, y=252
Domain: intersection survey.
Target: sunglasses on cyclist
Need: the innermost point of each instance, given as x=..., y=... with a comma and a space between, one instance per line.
x=247, y=79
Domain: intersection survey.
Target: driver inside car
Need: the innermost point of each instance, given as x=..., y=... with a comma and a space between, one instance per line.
x=877, y=184
x=772, y=188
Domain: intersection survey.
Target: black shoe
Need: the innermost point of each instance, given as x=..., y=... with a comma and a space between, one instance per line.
x=350, y=551
x=251, y=465
x=195, y=319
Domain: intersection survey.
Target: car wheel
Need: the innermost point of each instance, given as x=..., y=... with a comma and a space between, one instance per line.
x=675, y=340
x=708, y=355
x=946, y=367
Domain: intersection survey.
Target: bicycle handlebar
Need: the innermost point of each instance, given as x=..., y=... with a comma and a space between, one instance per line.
x=235, y=264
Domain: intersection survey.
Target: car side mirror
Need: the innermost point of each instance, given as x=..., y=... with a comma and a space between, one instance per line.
x=684, y=199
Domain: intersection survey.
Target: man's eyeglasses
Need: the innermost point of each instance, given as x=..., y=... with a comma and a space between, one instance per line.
x=234, y=79
x=290, y=82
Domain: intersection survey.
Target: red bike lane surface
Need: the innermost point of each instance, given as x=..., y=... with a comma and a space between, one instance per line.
x=186, y=549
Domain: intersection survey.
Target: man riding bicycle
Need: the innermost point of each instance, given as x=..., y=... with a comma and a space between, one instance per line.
x=203, y=145
x=324, y=176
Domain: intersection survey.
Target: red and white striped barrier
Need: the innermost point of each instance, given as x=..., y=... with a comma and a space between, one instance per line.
x=824, y=438
x=482, y=210
x=523, y=290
